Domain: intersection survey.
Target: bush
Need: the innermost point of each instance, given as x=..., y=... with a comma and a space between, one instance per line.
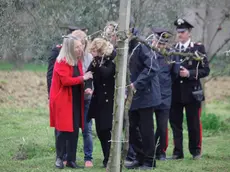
x=213, y=122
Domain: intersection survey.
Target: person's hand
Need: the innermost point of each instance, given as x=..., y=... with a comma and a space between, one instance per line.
x=184, y=72
x=88, y=75
x=133, y=88
x=88, y=91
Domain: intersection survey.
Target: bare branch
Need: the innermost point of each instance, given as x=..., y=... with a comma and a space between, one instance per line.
x=199, y=16
x=204, y=22
x=212, y=77
x=226, y=41
x=188, y=56
x=217, y=31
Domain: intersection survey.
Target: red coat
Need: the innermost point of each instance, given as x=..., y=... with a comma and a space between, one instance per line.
x=61, y=104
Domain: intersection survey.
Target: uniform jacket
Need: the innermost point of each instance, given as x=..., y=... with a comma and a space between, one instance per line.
x=165, y=78
x=51, y=62
x=144, y=70
x=61, y=104
x=182, y=88
x=101, y=105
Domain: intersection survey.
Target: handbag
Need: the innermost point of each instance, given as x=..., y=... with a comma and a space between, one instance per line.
x=198, y=94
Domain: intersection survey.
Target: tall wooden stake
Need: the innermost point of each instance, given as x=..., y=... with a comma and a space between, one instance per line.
x=119, y=103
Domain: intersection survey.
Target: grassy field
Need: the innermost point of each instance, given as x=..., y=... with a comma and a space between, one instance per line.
x=27, y=141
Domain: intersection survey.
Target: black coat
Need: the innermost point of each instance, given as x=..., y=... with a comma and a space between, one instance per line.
x=51, y=62
x=182, y=88
x=144, y=70
x=101, y=105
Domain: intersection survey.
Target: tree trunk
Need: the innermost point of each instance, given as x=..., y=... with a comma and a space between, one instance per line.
x=115, y=164
x=125, y=146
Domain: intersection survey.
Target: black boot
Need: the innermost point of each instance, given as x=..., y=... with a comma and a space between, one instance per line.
x=162, y=157
x=177, y=157
x=197, y=157
x=145, y=167
x=72, y=164
x=134, y=165
x=59, y=163
x=148, y=166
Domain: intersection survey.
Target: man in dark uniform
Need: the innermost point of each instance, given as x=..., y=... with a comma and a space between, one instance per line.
x=145, y=84
x=187, y=93
x=162, y=111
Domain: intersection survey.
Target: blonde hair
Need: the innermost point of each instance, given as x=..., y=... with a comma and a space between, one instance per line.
x=67, y=51
x=102, y=46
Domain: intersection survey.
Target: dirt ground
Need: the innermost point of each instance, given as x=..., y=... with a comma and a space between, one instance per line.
x=28, y=89
x=217, y=89
x=23, y=89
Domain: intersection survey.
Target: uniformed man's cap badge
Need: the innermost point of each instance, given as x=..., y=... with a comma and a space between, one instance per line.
x=180, y=21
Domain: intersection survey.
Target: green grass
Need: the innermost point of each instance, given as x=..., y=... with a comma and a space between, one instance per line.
x=5, y=66
x=219, y=107
x=27, y=141
x=25, y=134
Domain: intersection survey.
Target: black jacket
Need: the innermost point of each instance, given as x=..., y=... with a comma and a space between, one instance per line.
x=101, y=105
x=144, y=70
x=182, y=88
x=165, y=78
x=51, y=62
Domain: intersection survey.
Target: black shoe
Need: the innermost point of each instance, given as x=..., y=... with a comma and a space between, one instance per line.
x=176, y=157
x=126, y=163
x=197, y=157
x=129, y=159
x=72, y=164
x=134, y=165
x=162, y=157
x=105, y=162
x=104, y=165
x=146, y=167
x=59, y=163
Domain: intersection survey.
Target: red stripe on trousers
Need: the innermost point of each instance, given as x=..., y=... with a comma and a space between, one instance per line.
x=167, y=140
x=200, y=143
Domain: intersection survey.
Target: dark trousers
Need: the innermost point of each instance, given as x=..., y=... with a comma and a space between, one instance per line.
x=56, y=133
x=193, y=112
x=131, y=155
x=104, y=137
x=66, y=143
x=144, y=147
x=161, y=135
x=87, y=136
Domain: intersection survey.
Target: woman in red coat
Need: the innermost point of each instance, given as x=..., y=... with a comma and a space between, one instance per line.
x=67, y=99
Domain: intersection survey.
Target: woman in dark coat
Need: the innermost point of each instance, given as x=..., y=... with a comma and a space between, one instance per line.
x=101, y=106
